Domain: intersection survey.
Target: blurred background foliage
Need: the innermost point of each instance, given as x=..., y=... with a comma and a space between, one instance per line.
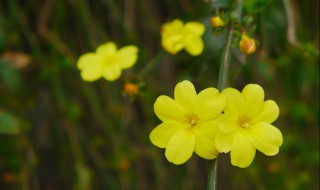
x=59, y=132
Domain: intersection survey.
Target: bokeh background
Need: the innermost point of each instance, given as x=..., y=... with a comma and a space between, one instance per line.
x=59, y=132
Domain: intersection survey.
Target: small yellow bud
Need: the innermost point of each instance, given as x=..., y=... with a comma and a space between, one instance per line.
x=247, y=45
x=216, y=22
x=131, y=89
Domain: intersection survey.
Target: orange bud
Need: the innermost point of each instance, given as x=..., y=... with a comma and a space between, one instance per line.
x=247, y=45
x=216, y=21
x=131, y=89
x=124, y=164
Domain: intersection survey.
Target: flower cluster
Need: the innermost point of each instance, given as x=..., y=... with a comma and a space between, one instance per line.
x=107, y=62
x=209, y=123
x=177, y=36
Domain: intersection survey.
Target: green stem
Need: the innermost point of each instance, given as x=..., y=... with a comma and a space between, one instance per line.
x=225, y=62
x=152, y=64
x=213, y=169
x=223, y=75
x=222, y=83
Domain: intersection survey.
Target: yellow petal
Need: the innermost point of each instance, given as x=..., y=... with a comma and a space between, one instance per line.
x=91, y=71
x=163, y=132
x=127, y=56
x=112, y=73
x=107, y=49
x=266, y=138
x=194, y=45
x=206, y=94
x=223, y=142
x=242, y=152
x=180, y=147
x=173, y=43
x=268, y=113
x=253, y=95
x=172, y=36
x=87, y=59
x=195, y=28
x=168, y=110
x=185, y=94
x=208, y=129
x=209, y=104
x=205, y=147
x=228, y=122
x=234, y=100
x=205, y=134
x=173, y=27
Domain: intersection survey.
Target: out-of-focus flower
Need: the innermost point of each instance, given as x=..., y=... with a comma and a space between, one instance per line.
x=216, y=22
x=247, y=45
x=131, y=89
x=107, y=62
x=189, y=122
x=246, y=125
x=177, y=36
x=17, y=60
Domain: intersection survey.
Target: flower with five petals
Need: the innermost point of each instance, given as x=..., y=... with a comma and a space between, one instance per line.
x=177, y=36
x=189, y=122
x=246, y=125
x=107, y=62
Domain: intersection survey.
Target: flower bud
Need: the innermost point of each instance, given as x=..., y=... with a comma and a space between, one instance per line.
x=131, y=89
x=216, y=22
x=247, y=45
x=123, y=164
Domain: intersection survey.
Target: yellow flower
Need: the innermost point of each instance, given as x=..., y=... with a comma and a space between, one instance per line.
x=107, y=62
x=246, y=125
x=189, y=122
x=177, y=36
x=216, y=21
x=247, y=45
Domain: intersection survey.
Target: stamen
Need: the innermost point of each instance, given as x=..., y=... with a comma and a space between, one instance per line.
x=192, y=120
x=244, y=121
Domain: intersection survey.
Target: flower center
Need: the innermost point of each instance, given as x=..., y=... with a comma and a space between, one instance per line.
x=109, y=60
x=192, y=120
x=244, y=121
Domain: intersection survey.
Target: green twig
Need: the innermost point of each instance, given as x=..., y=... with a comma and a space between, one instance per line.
x=222, y=83
x=225, y=62
x=152, y=64
x=212, y=181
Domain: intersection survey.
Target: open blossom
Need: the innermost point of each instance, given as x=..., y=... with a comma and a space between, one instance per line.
x=246, y=125
x=189, y=122
x=177, y=36
x=107, y=62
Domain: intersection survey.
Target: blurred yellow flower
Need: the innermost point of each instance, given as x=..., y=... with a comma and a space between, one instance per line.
x=247, y=45
x=246, y=125
x=189, y=122
x=216, y=21
x=177, y=36
x=107, y=62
